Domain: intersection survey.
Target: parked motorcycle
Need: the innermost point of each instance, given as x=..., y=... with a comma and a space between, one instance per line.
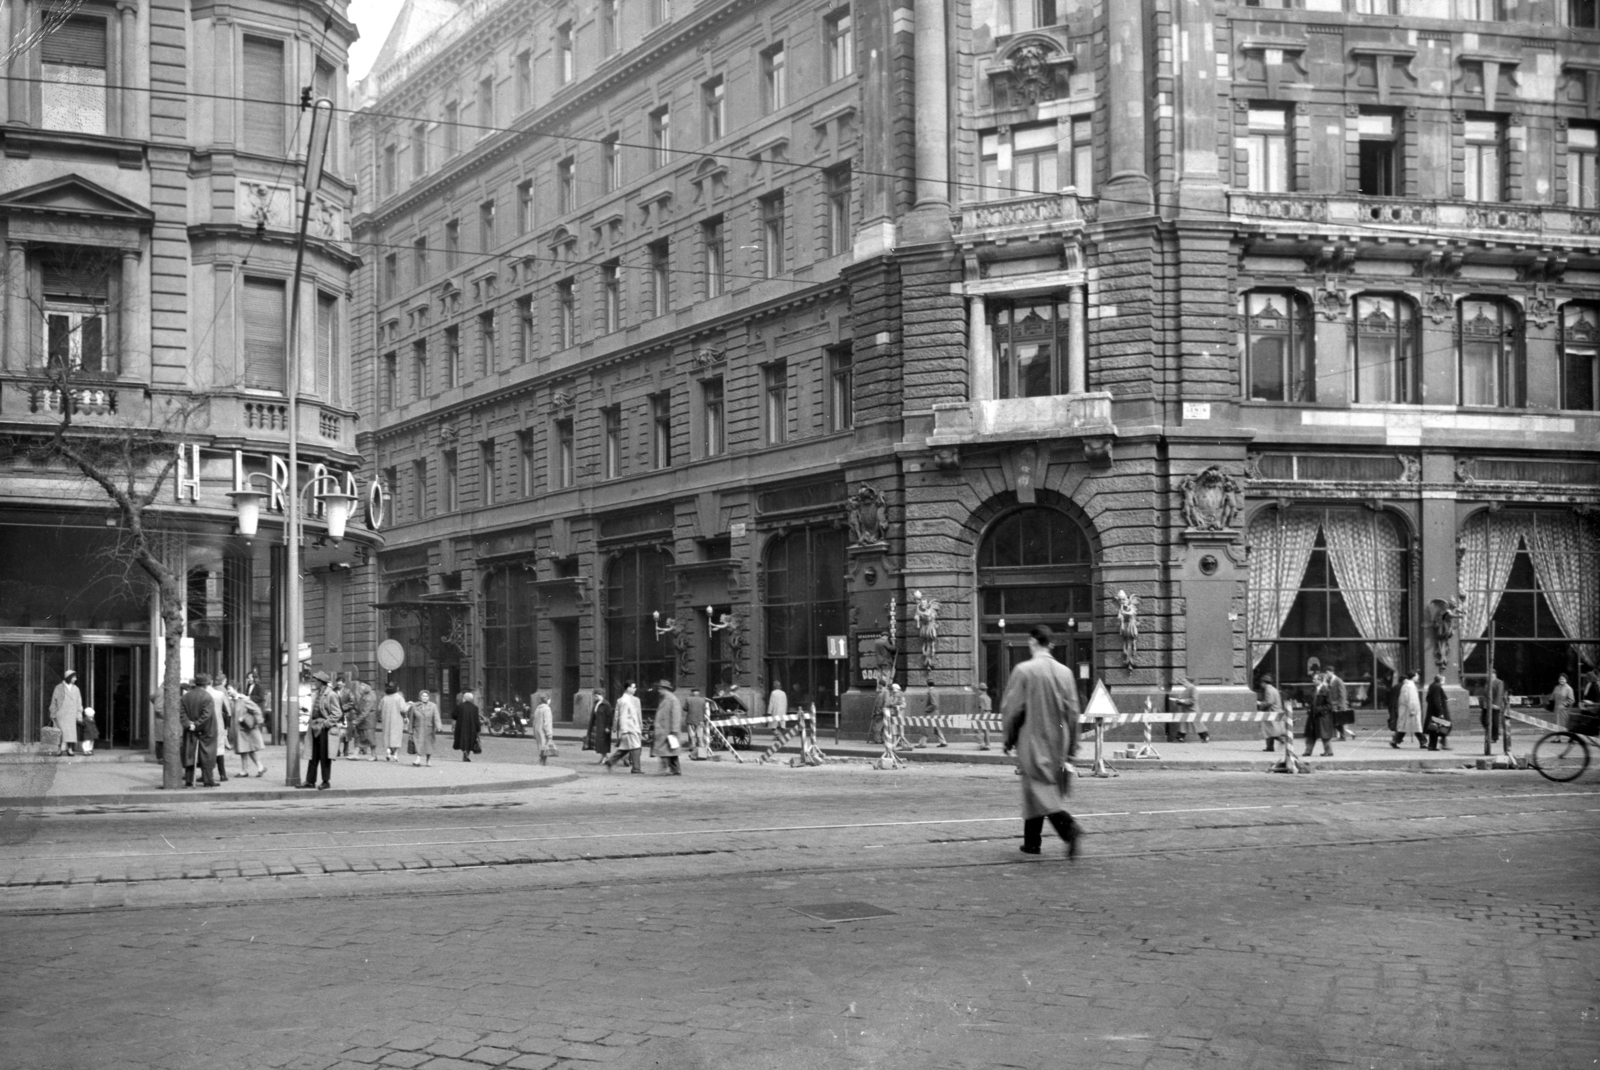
x=514, y=719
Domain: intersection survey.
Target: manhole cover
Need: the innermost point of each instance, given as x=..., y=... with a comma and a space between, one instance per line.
x=843, y=911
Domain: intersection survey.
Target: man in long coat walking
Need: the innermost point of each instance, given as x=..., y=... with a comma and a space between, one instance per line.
x=667, y=741
x=1040, y=712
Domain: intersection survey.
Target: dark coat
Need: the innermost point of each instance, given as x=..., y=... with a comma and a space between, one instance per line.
x=1319, y=725
x=199, y=710
x=1438, y=704
x=1040, y=710
x=467, y=727
x=598, y=737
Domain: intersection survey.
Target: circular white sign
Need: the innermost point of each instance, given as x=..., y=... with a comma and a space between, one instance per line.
x=391, y=655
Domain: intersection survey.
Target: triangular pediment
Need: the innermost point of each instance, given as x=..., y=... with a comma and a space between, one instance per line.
x=73, y=195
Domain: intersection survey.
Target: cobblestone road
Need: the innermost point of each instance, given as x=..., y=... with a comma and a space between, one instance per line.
x=1218, y=920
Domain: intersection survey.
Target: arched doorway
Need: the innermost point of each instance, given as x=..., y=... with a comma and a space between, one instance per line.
x=804, y=603
x=1035, y=566
x=636, y=587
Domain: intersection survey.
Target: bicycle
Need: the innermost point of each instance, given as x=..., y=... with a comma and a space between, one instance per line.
x=1560, y=756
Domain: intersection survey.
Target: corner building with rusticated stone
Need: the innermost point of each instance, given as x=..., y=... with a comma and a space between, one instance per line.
x=1226, y=339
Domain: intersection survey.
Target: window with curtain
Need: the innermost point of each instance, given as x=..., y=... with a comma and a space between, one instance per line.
x=1580, y=357
x=804, y=603
x=1329, y=588
x=1490, y=356
x=1532, y=578
x=1278, y=346
x=1384, y=340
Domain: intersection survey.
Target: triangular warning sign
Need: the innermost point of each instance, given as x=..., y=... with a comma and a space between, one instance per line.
x=1100, y=704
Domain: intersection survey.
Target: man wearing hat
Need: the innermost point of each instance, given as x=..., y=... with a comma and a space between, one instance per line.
x=199, y=732
x=667, y=743
x=1040, y=711
x=325, y=717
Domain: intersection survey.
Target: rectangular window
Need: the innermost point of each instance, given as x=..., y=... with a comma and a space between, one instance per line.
x=1015, y=16
x=1583, y=185
x=419, y=150
x=452, y=129
x=452, y=482
x=266, y=333
x=1492, y=372
x=774, y=260
x=488, y=344
x=1277, y=343
x=1266, y=149
x=774, y=78
x=565, y=65
x=72, y=93
x=607, y=10
x=525, y=464
x=1378, y=165
x=566, y=455
x=1480, y=10
x=716, y=426
x=486, y=110
x=1583, y=14
x=1083, y=157
x=525, y=206
x=419, y=261
x=1030, y=348
x=1383, y=336
x=485, y=226
x=454, y=373
x=1580, y=356
x=263, y=105
x=524, y=81
x=391, y=168
x=525, y=340
x=661, y=430
x=661, y=277
x=840, y=234
x=391, y=276
x=841, y=388
x=1034, y=151
x=1485, y=159
x=390, y=479
x=420, y=384
x=565, y=192
x=713, y=256
x=327, y=344
x=566, y=314
x=419, y=489
x=713, y=106
x=775, y=403
x=489, y=463
x=390, y=386
x=661, y=137
x=610, y=163
x=660, y=12
x=611, y=294
x=611, y=441
x=75, y=303
x=452, y=244
x=839, y=40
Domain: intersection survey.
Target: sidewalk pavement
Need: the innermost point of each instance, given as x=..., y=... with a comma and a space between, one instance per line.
x=121, y=779
x=1368, y=752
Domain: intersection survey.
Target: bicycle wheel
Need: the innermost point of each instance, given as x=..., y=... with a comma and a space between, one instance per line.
x=1560, y=756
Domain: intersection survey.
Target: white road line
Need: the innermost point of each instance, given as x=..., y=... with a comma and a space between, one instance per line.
x=1204, y=810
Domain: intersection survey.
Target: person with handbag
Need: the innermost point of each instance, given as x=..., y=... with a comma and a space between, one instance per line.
x=66, y=710
x=246, y=732
x=1436, y=724
x=667, y=743
x=425, y=726
x=1040, y=712
x=469, y=722
x=321, y=730
x=544, y=727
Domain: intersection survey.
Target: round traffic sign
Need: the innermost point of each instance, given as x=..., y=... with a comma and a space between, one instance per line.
x=391, y=655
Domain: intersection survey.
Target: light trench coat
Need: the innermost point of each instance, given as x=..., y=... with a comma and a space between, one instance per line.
x=1040, y=711
x=628, y=731
x=1408, y=711
x=66, y=710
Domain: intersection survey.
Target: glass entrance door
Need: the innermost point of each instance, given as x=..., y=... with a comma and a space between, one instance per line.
x=12, y=717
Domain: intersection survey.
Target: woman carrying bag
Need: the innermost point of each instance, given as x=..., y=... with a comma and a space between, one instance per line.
x=544, y=727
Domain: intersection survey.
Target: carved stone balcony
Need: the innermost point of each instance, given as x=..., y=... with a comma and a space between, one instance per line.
x=1022, y=217
x=1086, y=416
x=1444, y=218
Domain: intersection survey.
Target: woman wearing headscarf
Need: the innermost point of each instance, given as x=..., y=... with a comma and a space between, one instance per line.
x=468, y=723
x=544, y=727
x=425, y=726
x=66, y=710
x=392, y=713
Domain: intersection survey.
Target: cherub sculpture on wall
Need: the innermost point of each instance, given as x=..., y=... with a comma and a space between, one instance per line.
x=1128, y=625
x=868, y=519
x=927, y=615
x=1447, y=612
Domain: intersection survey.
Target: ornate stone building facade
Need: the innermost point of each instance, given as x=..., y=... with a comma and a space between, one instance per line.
x=1223, y=338
x=151, y=154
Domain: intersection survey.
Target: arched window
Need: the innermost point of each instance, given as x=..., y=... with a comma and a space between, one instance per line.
x=1490, y=354
x=803, y=581
x=1580, y=356
x=1279, y=353
x=1329, y=588
x=636, y=587
x=1035, y=566
x=1384, y=350
x=510, y=650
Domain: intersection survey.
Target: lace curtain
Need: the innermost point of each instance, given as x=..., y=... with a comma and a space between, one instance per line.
x=1491, y=543
x=1363, y=547
x=1280, y=546
x=1566, y=559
